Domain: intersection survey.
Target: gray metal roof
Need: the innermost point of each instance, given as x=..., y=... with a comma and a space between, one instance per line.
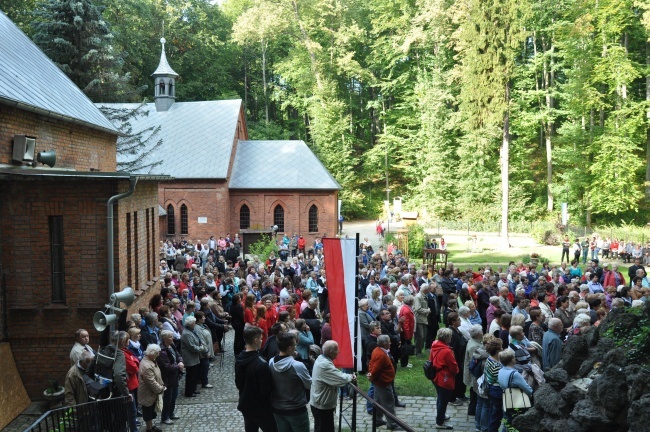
x=30, y=81
x=163, y=67
x=197, y=137
x=279, y=165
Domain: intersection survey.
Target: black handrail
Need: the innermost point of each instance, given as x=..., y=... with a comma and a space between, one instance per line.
x=101, y=415
x=376, y=406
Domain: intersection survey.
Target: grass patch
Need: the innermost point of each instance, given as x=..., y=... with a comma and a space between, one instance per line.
x=408, y=381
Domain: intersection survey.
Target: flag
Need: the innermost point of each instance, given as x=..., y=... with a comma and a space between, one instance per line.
x=340, y=271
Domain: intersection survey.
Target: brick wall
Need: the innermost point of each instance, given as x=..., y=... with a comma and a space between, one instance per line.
x=203, y=199
x=76, y=146
x=138, y=266
x=296, y=210
x=42, y=332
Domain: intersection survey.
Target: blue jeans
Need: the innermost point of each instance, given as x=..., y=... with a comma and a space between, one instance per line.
x=371, y=394
x=444, y=396
x=496, y=414
x=169, y=402
x=482, y=417
x=294, y=423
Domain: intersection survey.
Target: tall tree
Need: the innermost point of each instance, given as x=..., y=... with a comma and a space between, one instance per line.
x=76, y=37
x=489, y=39
x=134, y=149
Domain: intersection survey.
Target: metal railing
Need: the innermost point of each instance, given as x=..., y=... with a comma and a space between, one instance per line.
x=99, y=416
x=376, y=407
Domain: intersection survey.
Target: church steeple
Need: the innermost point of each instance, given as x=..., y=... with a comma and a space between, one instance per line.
x=165, y=82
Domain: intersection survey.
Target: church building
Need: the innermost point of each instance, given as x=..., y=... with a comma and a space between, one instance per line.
x=223, y=183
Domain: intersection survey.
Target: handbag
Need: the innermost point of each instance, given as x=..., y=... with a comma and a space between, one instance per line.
x=483, y=387
x=158, y=407
x=515, y=398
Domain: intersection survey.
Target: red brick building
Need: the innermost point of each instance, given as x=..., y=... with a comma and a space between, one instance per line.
x=222, y=182
x=54, y=272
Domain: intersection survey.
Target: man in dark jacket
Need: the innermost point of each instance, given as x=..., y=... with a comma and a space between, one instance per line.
x=255, y=385
x=270, y=349
x=433, y=320
x=448, y=286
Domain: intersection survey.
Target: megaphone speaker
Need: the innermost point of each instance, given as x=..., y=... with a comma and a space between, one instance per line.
x=125, y=296
x=47, y=157
x=102, y=320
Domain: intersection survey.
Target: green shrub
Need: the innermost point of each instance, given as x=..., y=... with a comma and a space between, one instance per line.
x=263, y=247
x=416, y=240
x=630, y=330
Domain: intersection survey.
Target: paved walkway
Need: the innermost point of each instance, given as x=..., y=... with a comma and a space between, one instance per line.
x=215, y=410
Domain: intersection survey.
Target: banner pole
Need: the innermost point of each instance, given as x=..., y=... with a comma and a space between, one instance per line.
x=356, y=328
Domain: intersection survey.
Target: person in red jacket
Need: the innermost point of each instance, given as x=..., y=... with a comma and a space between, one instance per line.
x=442, y=359
x=132, y=368
x=407, y=318
x=382, y=374
x=301, y=244
x=614, y=277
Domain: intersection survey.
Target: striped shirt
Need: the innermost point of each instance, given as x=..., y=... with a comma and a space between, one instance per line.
x=492, y=368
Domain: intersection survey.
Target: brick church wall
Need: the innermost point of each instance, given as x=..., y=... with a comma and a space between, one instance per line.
x=204, y=199
x=296, y=210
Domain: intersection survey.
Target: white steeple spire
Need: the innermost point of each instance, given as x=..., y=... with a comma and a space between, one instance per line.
x=165, y=81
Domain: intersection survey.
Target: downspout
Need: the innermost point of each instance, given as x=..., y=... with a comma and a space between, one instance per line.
x=111, y=247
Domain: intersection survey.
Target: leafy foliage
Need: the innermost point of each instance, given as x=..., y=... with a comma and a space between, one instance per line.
x=263, y=247
x=76, y=37
x=630, y=329
x=409, y=95
x=133, y=148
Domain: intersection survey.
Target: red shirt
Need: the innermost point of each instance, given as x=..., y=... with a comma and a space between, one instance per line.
x=248, y=316
x=408, y=327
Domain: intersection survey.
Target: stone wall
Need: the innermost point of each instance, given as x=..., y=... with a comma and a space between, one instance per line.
x=594, y=388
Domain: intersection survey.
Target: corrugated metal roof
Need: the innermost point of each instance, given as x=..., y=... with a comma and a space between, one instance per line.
x=163, y=66
x=31, y=81
x=197, y=137
x=279, y=165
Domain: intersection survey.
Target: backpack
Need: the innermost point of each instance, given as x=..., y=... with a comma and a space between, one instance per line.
x=429, y=370
x=476, y=367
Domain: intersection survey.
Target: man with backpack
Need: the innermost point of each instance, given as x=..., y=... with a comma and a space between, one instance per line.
x=475, y=365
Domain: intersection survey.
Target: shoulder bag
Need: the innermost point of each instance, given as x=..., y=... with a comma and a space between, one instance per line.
x=515, y=398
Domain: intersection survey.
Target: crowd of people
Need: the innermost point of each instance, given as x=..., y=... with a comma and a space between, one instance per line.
x=605, y=248
x=484, y=330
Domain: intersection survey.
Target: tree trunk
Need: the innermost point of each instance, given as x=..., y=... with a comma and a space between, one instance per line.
x=505, y=174
x=547, y=136
x=266, y=99
x=647, y=144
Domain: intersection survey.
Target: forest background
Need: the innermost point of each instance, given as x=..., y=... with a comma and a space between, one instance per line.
x=468, y=109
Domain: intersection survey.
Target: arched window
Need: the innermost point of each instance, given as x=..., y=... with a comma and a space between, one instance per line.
x=171, y=221
x=244, y=217
x=183, y=219
x=278, y=217
x=313, y=218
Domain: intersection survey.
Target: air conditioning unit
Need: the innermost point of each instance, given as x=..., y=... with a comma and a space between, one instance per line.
x=24, y=148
